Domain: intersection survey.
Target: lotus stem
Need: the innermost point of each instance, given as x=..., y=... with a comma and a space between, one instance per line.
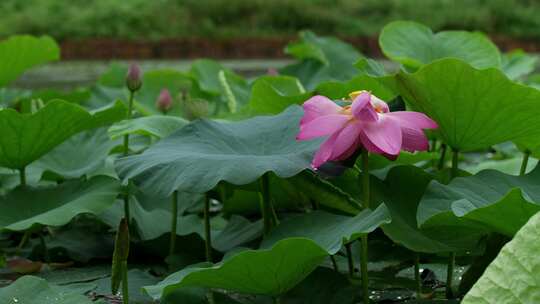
x=127, y=214
x=440, y=166
x=525, y=162
x=452, y=256
x=174, y=222
x=450, y=275
x=46, y=256
x=126, y=152
x=364, y=239
x=125, y=286
x=350, y=262
x=23, y=241
x=267, y=210
x=334, y=263
x=417, y=275
x=208, y=239
x=22, y=175
x=455, y=168
x=129, y=114
x=207, y=232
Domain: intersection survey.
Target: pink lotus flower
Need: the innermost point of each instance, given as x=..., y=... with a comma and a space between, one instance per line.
x=366, y=123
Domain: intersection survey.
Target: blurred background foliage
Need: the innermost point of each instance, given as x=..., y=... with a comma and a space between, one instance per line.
x=163, y=19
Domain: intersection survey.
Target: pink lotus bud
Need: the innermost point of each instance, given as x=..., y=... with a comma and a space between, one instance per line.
x=272, y=72
x=133, y=78
x=164, y=101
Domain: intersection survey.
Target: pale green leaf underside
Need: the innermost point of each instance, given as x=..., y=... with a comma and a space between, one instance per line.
x=514, y=276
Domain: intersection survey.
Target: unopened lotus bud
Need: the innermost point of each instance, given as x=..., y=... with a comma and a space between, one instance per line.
x=195, y=108
x=133, y=78
x=272, y=72
x=164, y=101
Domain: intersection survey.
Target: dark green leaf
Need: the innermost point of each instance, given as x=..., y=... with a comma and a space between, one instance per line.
x=270, y=272
x=56, y=205
x=33, y=290
x=330, y=231
x=499, y=202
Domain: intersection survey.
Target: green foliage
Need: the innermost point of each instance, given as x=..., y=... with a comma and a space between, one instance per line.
x=60, y=162
x=241, y=18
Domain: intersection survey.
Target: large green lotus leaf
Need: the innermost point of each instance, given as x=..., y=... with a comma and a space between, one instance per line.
x=27, y=137
x=57, y=205
x=205, y=152
x=414, y=45
x=273, y=94
x=401, y=191
x=329, y=231
x=81, y=154
x=474, y=108
x=500, y=202
x=322, y=59
x=20, y=53
x=156, y=125
x=514, y=275
x=269, y=271
x=34, y=290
